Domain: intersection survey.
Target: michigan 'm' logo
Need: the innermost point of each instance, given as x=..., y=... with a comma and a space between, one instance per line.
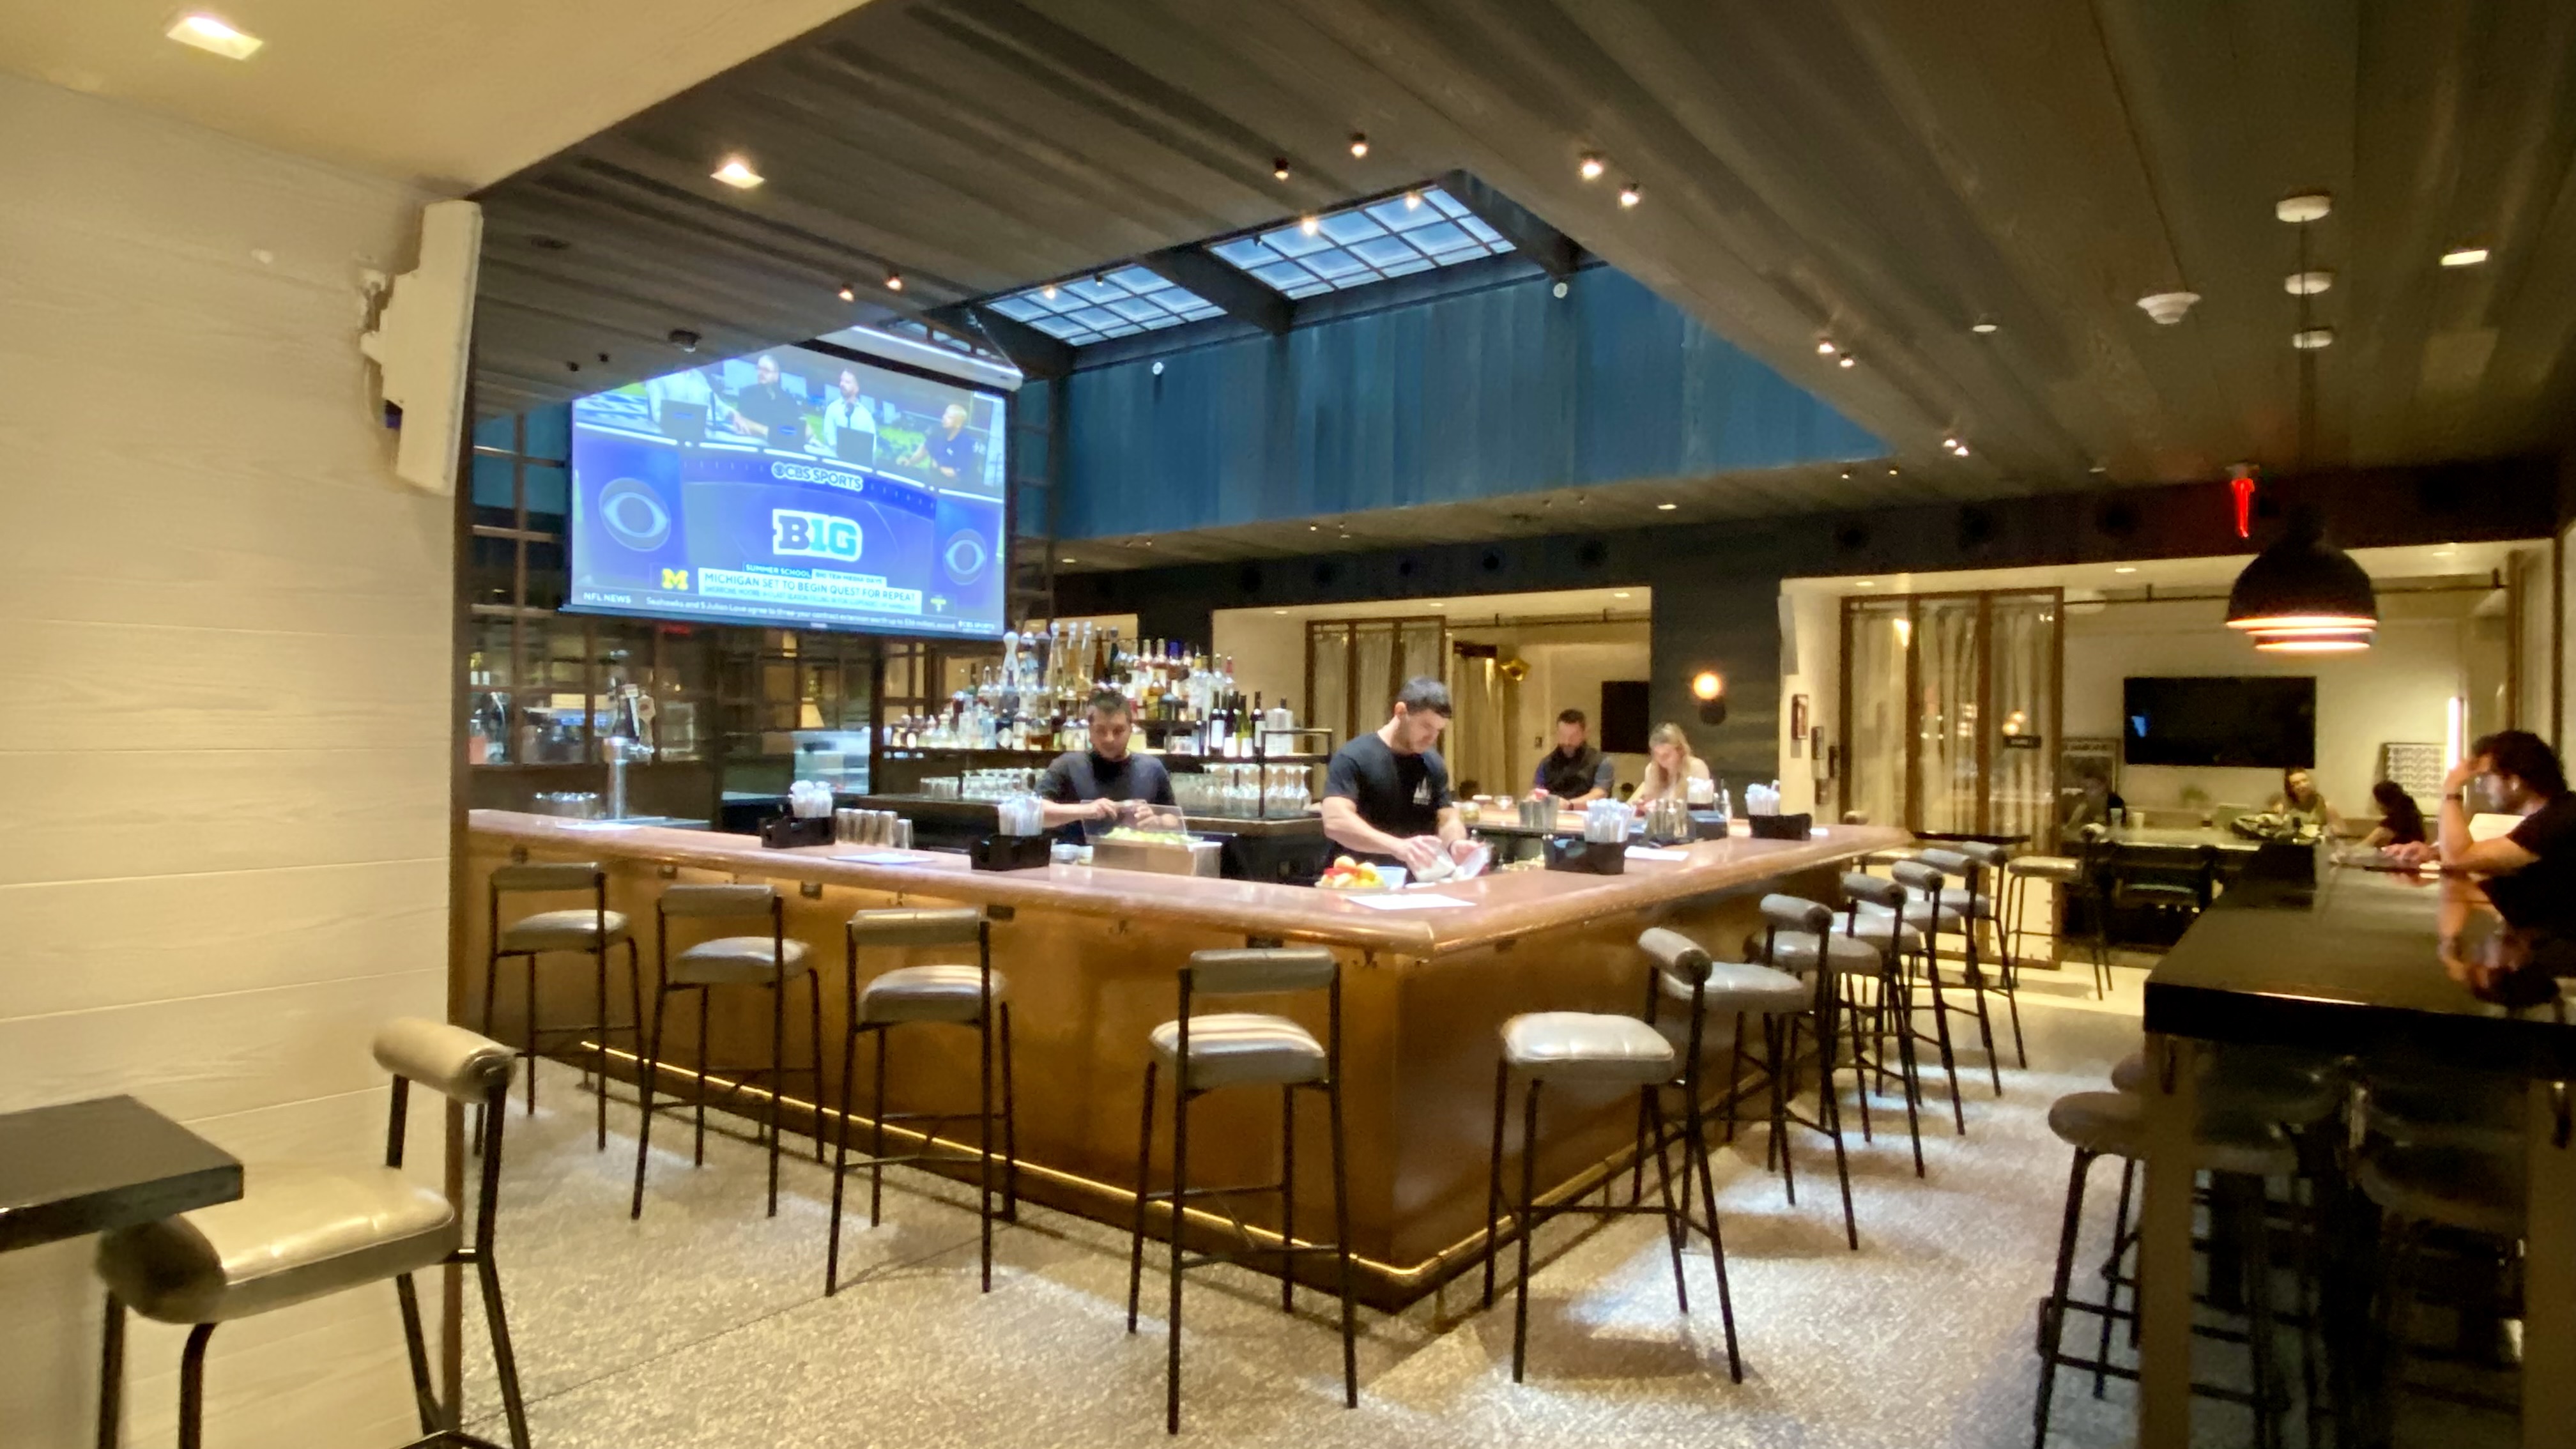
x=675, y=579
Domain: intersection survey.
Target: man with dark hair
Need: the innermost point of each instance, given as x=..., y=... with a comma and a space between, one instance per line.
x=1386, y=794
x=1105, y=782
x=766, y=409
x=1574, y=772
x=2530, y=870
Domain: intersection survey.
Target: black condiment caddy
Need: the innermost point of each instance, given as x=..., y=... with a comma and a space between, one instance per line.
x=1587, y=857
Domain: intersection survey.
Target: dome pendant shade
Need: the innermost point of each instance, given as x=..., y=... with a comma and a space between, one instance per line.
x=2304, y=595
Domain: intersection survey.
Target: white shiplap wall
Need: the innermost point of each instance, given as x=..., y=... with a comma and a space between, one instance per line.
x=224, y=736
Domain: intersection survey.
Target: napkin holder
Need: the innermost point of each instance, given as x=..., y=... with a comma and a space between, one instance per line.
x=788, y=832
x=1011, y=852
x=1781, y=827
x=1587, y=857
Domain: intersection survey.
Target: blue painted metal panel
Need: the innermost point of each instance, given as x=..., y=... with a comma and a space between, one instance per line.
x=1474, y=395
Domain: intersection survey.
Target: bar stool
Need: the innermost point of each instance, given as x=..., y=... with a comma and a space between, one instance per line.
x=1969, y=861
x=1798, y=937
x=1729, y=991
x=303, y=1233
x=1878, y=911
x=2027, y=875
x=968, y=995
x=2461, y=1190
x=1622, y=1051
x=767, y=961
x=1932, y=883
x=591, y=931
x=2114, y=1124
x=1246, y=1049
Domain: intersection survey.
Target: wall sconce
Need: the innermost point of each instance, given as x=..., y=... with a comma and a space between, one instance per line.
x=1709, y=688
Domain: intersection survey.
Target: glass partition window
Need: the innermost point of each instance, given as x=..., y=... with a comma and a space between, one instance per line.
x=1355, y=666
x=1950, y=712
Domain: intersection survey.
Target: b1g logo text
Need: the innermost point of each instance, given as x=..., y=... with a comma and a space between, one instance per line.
x=813, y=535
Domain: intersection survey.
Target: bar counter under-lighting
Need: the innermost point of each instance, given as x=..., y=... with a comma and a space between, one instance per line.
x=1090, y=955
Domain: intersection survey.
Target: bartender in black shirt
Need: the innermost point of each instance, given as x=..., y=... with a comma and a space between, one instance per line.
x=1386, y=794
x=1105, y=782
x=2530, y=871
x=1574, y=772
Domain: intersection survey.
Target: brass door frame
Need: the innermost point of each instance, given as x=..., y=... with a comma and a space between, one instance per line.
x=2054, y=693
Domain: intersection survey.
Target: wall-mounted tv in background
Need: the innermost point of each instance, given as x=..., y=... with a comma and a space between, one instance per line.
x=792, y=489
x=2265, y=721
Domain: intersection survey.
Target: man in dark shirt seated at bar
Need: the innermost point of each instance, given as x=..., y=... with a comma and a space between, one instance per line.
x=1386, y=794
x=1106, y=782
x=1574, y=772
x=2530, y=871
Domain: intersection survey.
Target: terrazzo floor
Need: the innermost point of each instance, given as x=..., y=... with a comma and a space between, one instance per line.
x=705, y=1324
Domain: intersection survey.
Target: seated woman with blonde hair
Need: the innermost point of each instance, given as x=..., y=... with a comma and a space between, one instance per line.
x=1670, y=766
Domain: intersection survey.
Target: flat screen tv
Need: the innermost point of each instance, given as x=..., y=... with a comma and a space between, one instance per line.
x=2264, y=721
x=792, y=489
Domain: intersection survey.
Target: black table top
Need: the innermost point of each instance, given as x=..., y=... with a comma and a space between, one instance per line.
x=2351, y=965
x=86, y=1167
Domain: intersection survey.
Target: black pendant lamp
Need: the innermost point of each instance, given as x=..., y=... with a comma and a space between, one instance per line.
x=2302, y=595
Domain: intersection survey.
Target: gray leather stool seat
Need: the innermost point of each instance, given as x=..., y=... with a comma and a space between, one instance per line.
x=1739, y=986
x=1798, y=950
x=1876, y=924
x=2114, y=1124
x=2044, y=867
x=1243, y=1049
x=2449, y=1109
x=1583, y=1046
x=2129, y=1073
x=736, y=961
x=927, y=993
x=300, y=1233
x=2251, y=1085
x=2458, y=1187
x=566, y=930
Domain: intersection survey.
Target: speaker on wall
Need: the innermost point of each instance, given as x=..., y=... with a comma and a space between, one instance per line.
x=420, y=343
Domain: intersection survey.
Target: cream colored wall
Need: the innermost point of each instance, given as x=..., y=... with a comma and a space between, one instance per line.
x=225, y=737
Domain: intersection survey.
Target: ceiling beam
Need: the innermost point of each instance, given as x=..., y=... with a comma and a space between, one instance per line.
x=1033, y=352
x=1235, y=294
x=1553, y=250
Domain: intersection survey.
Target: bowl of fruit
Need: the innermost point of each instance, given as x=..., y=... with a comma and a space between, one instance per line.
x=1347, y=874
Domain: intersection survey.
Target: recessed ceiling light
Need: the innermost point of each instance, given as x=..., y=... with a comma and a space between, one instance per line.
x=2125, y=569
x=1279, y=167
x=1666, y=507
x=1866, y=584
x=1066, y=560
x=1591, y=168
x=1310, y=225
x=848, y=295
x=1413, y=201
x=1618, y=593
x=1949, y=442
x=1279, y=611
x=737, y=173
x=1981, y=327
x=1824, y=347
x=2456, y=257
x=1631, y=194
x=1359, y=144
x=2303, y=208
x=1847, y=475
x=2307, y=284
x=1961, y=450
x=209, y=33
x=894, y=281
x=1047, y=291
x=1437, y=604
x=1847, y=360
x=1314, y=528
x=2312, y=338
x=1891, y=472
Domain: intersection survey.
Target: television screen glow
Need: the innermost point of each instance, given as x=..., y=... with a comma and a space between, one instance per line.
x=791, y=489
x=2268, y=721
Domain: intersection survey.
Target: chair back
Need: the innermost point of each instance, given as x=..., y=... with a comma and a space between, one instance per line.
x=466, y=1067
x=1796, y=913
x=1862, y=888
x=948, y=926
x=1261, y=970
x=708, y=901
x=1948, y=861
x=1672, y=951
x=548, y=875
x=1982, y=853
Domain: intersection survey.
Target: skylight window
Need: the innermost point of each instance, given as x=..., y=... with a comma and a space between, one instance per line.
x=1114, y=304
x=1360, y=245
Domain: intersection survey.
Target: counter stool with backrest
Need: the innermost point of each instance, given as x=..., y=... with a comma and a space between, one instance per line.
x=769, y=960
x=1610, y=1050
x=2026, y=876
x=1219, y=1050
x=1979, y=867
x=1727, y=993
x=591, y=930
x=302, y=1233
x=1878, y=911
x=1798, y=937
x=2466, y=1191
x=1947, y=898
x=2238, y=1152
x=967, y=994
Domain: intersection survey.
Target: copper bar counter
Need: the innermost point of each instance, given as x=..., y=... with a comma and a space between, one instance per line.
x=1090, y=955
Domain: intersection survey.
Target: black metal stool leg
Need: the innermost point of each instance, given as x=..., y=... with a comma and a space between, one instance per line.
x=840, y=1161
x=2052, y=1309
x=1695, y=1157
x=814, y=1059
x=984, y=1142
x=1941, y=1035
x=698, y=1155
x=416, y=1349
x=1674, y=1226
x=505, y=1360
x=1144, y=1167
x=1180, y=1196
x=1342, y=1245
x=111, y=1373
x=531, y=1053
x=876, y=1130
x=777, y=1081
x=599, y=1048
x=2111, y=1275
x=1010, y=1128
x=1494, y=1173
x=1288, y=1199
x=646, y=1078
x=192, y=1387
x=1528, y=1221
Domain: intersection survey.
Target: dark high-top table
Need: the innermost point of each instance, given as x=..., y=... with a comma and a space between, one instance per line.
x=2352, y=965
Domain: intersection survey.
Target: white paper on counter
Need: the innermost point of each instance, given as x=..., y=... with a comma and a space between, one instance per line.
x=1410, y=903
x=597, y=825
x=883, y=857
x=1656, y=852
